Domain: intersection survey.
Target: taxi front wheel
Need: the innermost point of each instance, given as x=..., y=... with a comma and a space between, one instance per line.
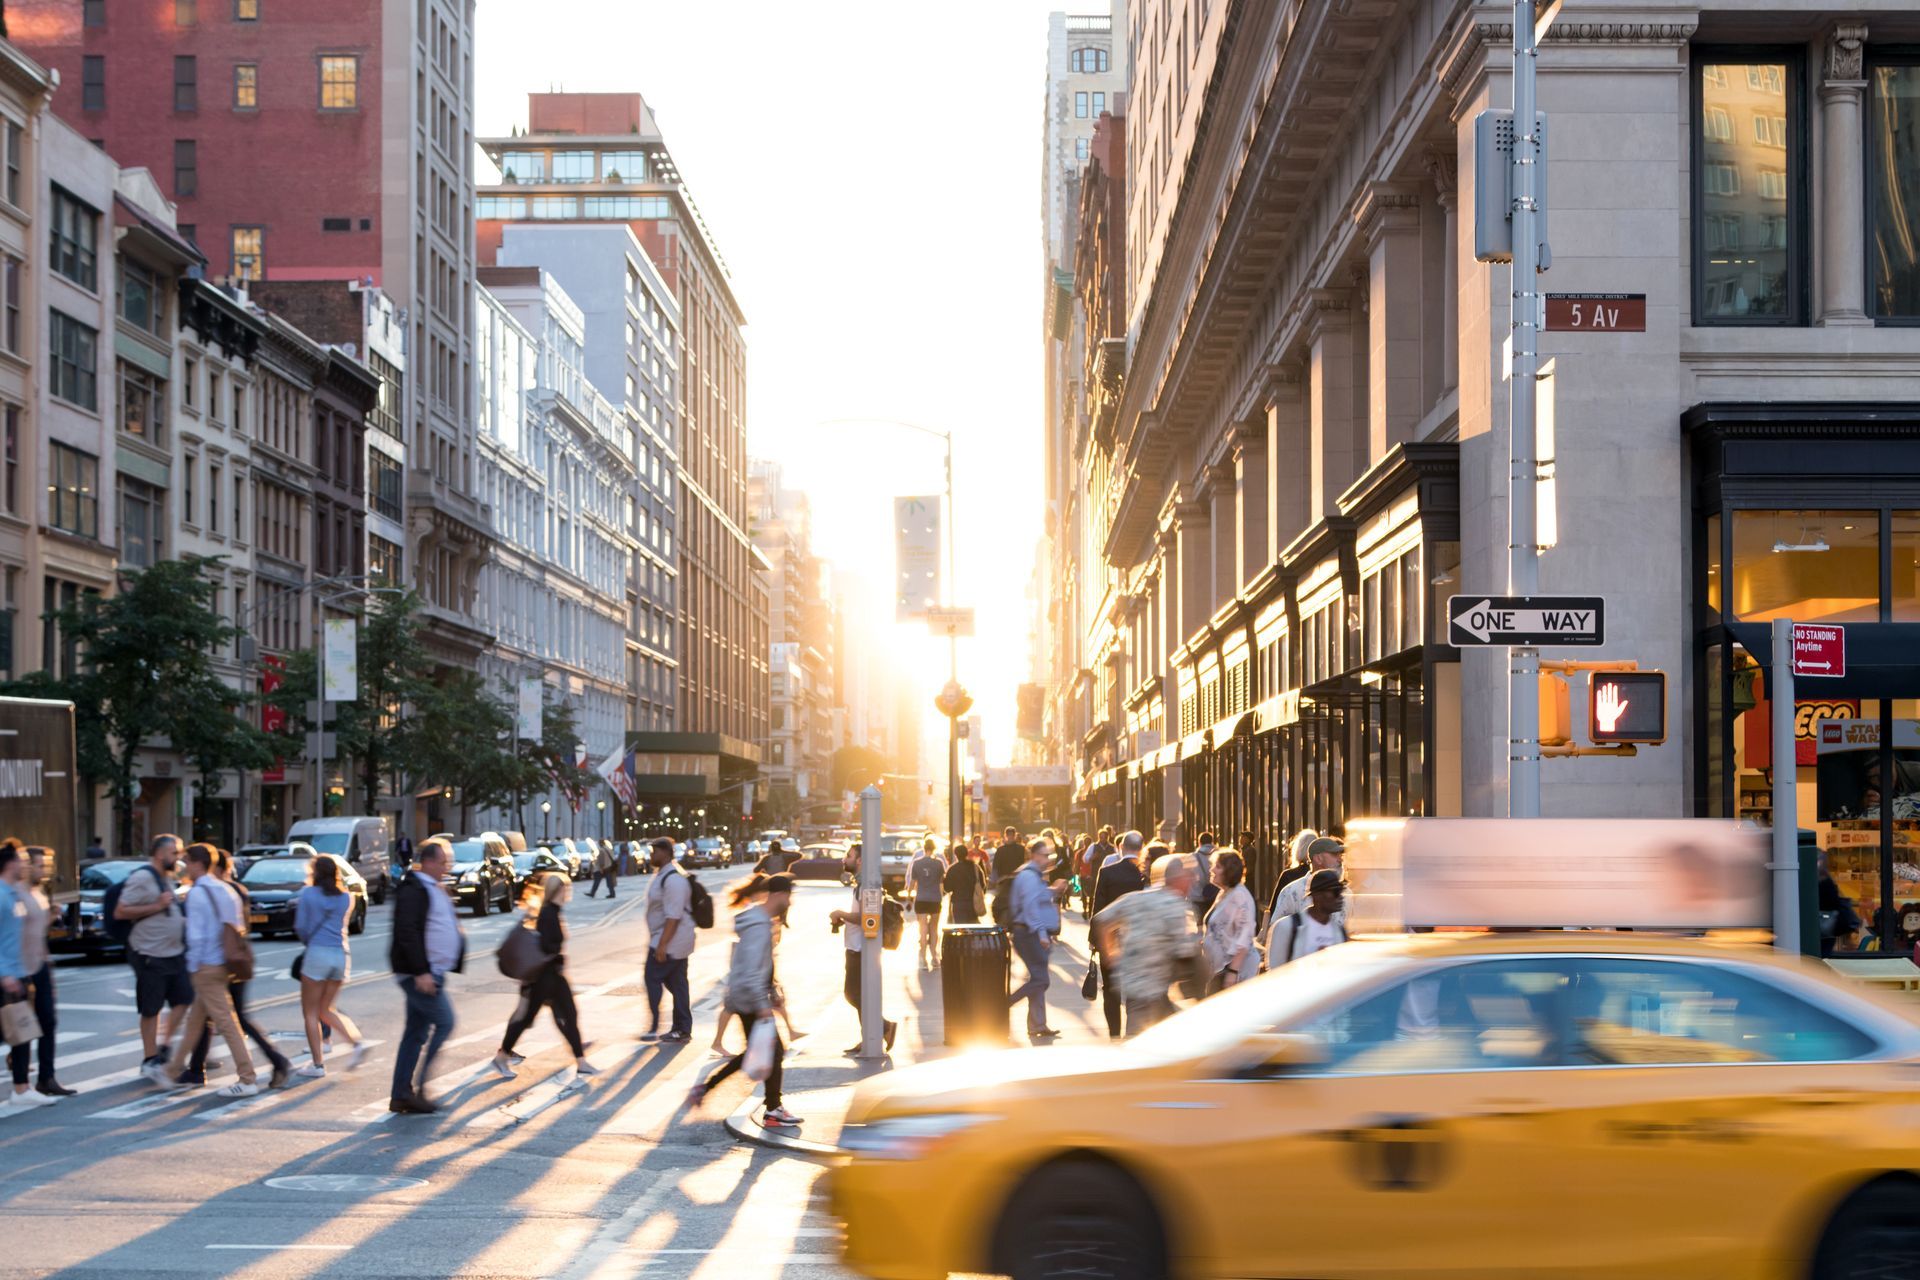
x=1874, y=1236
x=1083, y=1219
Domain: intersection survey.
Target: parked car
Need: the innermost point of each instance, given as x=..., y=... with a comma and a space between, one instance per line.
x=482, y=874
x=81, y=929
x=274, y=881
x=822, y=860
x=362, y=843
x=534, y=862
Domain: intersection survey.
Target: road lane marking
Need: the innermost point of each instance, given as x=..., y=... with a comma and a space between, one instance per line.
x=277, y=1248
x=64, y=1006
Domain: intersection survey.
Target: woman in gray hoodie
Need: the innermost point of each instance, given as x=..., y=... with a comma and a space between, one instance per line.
x=752, y=992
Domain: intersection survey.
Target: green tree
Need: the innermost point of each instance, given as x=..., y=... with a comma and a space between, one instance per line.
x=457, y=734
x=148, y=674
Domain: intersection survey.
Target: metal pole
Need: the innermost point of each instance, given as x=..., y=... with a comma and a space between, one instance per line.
x=870, y=905
x=320, y=689
x=1786, y=820
x=955, y=822
x=1523, y=561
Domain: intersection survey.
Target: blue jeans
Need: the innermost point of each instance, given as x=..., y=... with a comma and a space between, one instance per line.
x=669, y=975
x=1033, y=953
x=429, y=1023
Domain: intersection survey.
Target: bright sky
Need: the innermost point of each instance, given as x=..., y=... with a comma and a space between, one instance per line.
x=871, y=171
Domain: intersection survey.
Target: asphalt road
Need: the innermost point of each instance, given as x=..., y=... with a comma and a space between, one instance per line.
x=537, y=1176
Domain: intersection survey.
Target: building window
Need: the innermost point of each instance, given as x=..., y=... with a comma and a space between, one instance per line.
x=573, y=166
x=186, y=167
x=1099, y=103
x=74, y=233
x=385, y=487
x=186, y=13
x=499, y=207
x=74, y=490
x=1893, y=187
x=386, y=410
x=75, y=349
x=11, y=337
x=1749, y=194
x=249, y=262
x=143, y=302
x=10, y=459
x=523, y=166
x=383, y=559
x=628, y=207
x=213, y=498
x=246, y=10
x=93, y=13
x=339, y=82
x=1080, y=154
x=186, y=83
x=246, y=86
x=1080, y=105
x=93, y=82
x=554, y=208
x=142, y=524
x=624, y=166
x=1091, y=60
x=143, y=405
x=13, y=132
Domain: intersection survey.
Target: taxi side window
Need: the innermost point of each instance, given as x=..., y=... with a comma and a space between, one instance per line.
x=1634, y=1012
x=1468, y=1017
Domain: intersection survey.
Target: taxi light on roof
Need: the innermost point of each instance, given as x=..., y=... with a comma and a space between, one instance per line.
x=1552, y=873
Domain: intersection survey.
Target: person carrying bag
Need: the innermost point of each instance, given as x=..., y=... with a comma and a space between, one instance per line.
x=754, y=996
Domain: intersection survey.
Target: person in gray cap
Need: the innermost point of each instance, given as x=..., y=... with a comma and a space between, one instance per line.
x=1324, y=853
x=1321, y=925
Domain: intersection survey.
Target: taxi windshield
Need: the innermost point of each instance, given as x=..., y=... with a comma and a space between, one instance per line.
x=1272, y=1002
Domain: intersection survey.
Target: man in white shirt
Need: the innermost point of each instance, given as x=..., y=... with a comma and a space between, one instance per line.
x=1320, y=926
x=670, y=934
x=854, y=940
x=212, y=909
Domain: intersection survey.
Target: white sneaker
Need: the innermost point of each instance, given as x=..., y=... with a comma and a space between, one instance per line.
x=30, y=1099
x=585, y=1068
x=157, y=1072
x=358, y=1055
x=312, y=1071
x=501, y=1069
x=238, y=1089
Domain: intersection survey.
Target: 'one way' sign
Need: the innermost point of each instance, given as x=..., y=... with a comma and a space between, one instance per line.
x=1525, y=620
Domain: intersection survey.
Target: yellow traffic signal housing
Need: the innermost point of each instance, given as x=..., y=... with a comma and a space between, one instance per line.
x=1556, y=714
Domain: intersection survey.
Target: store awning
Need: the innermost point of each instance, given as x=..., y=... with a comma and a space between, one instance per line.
x=1277, y=712
x=1229, y=728
x=1192, y=745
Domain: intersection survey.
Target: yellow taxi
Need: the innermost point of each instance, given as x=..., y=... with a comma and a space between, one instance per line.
x=1576, y=1104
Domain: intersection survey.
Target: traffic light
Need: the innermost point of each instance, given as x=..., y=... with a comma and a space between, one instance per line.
x=1627, y=707
x=1556, y=717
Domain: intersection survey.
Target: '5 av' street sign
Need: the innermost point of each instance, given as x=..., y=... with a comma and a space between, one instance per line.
x=1525, y=620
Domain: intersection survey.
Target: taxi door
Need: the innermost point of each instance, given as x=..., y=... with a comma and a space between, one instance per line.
x=1410, y=1149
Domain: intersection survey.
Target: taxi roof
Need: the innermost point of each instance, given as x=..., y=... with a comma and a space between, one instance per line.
x=1753, y=944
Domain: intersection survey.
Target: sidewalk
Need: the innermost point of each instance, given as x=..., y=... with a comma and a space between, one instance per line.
x=820, y=1080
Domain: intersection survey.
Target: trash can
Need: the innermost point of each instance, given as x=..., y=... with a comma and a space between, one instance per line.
x=974, y=971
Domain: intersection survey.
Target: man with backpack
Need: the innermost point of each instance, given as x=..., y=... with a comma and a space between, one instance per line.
x=854, y=940
x=670, y=929
x=1321, y=925
x=145, y=916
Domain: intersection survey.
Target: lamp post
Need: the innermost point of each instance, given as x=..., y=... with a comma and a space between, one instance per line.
x=546, y=819
x=601, y=805
x=953, y=640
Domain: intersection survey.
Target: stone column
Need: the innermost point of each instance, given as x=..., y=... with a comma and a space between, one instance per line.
x=1336, y=417
x=1250, y=488
x=1442, y=165
x=1224, y=524
x=1195, y=569
x=1389, y=218
x=1843, y=263
x=1289, y=464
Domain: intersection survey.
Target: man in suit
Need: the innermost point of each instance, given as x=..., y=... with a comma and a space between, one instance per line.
x=427, y=946
x=1119, y=874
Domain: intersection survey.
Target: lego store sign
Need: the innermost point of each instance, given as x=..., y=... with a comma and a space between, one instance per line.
x=1809, y=718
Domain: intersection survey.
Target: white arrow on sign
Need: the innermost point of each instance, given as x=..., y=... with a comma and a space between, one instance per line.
x=1483, y=620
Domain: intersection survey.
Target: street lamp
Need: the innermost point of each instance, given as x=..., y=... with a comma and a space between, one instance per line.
x=546, y=820
x=601, y=805
x=955, y=823
x=954, y=701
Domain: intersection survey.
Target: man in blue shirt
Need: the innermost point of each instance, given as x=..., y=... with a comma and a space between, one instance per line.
x=1035, y=919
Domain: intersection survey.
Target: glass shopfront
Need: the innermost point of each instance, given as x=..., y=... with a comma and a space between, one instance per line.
x=1815, y=519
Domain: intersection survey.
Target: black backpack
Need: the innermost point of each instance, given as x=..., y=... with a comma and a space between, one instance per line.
x=699, y=903
x=893, y=923
x=1003, y=903
x=121, y=931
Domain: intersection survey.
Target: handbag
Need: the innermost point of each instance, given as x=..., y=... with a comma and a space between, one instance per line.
x=521, y=956
x=979, y=893
x=757, y=1062
x=294, y=972
x=1090, y=985
x=18, y=1023
x=237, y=952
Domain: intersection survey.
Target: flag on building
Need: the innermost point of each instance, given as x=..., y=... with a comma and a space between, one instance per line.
x=617, y=769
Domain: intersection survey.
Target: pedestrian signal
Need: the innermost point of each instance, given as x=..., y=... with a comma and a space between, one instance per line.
x=1627, y=707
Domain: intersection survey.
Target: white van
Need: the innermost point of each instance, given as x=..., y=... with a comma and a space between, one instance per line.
x=363, y=842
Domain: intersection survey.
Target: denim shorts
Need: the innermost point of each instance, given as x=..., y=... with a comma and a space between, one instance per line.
x=323, y=964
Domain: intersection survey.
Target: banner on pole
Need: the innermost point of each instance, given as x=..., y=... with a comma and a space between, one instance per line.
x=916, y=535
x=340, y=679
x=527, y=721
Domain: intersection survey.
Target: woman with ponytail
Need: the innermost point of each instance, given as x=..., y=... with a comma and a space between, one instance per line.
x=752, y=994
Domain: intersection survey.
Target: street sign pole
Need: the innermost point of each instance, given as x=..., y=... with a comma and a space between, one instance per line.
x=871, y=892
x=1786, y=820
x=1523, y=558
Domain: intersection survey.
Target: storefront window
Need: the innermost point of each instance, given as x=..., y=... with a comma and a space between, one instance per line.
x=1905, y=547
x=1714, y=568
x=1893, y=148
x=1443, y=581
x=1806, y=565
